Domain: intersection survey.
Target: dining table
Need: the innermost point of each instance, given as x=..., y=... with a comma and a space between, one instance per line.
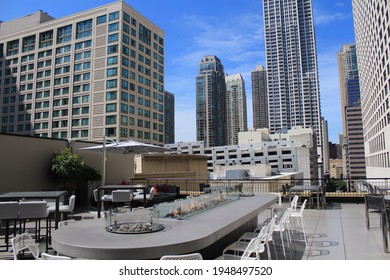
x=108, y=188
x=312, y=189
x=39, y=195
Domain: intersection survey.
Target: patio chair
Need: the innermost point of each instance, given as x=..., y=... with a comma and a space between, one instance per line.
x=239, y=246
x=33, y=210
x=282, y=226
x=251, y=250
x=375, y=204
x=149, y=196
x=269, y=226
x=121, y=196
x=9, y=211
x=24, y=242
x=104, y=199
x=64, y=209
x=192, y=257
x=297, y=220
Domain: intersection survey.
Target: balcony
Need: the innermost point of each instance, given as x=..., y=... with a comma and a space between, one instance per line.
x=335, y=232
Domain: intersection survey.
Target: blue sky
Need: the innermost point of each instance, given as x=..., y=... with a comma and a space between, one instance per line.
x=231, y=30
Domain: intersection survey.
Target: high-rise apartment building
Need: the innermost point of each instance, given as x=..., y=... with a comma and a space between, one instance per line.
x=292, y=71
x=169, y=113
x=92, y=73
x=211, y=115
x=236, y=107
x=354, y=165
x=259, y=98
x=372, y=32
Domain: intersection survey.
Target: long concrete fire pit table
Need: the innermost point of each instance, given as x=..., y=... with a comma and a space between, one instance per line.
x=207, y=232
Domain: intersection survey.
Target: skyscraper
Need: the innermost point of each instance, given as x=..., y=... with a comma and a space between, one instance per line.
x=169, y=114
x=354, y=165
x=259, y=97
x=293, y=88
x=79, y=77
x=372, y=34
x=211, y=117
x=236, y=107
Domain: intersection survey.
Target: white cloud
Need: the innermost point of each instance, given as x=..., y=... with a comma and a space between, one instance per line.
x=328, y=18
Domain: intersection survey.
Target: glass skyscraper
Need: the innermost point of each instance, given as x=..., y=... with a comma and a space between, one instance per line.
x=211, y=115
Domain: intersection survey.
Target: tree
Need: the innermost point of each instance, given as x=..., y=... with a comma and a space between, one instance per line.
x=70, y=170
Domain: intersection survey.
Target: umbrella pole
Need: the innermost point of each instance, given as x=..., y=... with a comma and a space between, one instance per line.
x=104, y=161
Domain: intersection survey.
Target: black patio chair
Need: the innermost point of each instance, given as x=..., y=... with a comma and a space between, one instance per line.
x=374, y=204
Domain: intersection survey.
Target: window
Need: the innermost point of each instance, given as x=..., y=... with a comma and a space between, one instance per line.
x=110, y=119
x=84, y=29
x=144, y=34
x=112, y=60
x=112, y=49
x=29, y=43
x=111, y=107
x=113, y=26
x=13, y=47
x=64, y=34
x=111, y=72
x=113, y=16
x=111, y=84
x=46, y=39
x=101, y=19
x=126, y=17
x=113, y=38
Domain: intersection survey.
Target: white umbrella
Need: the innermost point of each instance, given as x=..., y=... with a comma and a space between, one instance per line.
x=125, y=147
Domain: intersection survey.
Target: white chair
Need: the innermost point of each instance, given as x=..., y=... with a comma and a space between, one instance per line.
x=251, y=250
x=282, y=226
x=24, y=242
x=238, y=248
x=121, y=196
x=192, y=257
x=297, y=219
x=64, y=209
x=293, y=204
x=45, y=256
x=269, y=227
x=105, y=198
x=149, y=196
x=34, y=210
x=9, y=211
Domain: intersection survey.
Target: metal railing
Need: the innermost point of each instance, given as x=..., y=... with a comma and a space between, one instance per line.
x=347, y=188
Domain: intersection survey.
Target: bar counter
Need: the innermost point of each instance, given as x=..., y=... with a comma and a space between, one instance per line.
x=204, y=232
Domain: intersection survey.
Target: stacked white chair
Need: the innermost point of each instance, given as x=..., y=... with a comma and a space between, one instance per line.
x=269, y=227
x=282, y=226
x=243, y=250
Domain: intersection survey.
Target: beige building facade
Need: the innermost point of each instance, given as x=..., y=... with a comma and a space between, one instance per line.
x=84, y=75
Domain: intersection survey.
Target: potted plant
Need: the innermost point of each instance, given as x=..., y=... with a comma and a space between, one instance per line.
x=72, y=172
